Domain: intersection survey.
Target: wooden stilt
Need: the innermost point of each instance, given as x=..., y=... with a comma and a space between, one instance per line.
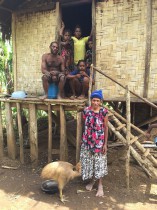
x=33, y=134
x=90, y=83
x=78, y=136
x=63, y=136
x=1, y=134
x=127, y=164
x=133, y=113
x=49, y=133
x=20, y=132
x=11, y=145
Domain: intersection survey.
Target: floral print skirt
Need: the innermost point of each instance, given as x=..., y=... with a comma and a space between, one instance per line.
x=93, y=165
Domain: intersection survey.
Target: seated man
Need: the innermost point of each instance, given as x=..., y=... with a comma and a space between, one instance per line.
x=79, y=81
x=53, y=70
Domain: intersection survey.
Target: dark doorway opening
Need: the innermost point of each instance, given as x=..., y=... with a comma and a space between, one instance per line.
x=79, y=14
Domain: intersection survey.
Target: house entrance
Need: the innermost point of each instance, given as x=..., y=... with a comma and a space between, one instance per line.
x=77, y=13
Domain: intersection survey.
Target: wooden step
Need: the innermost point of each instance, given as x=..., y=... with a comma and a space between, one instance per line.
x=146, y=153
x=120, y=127
x=133, y=139
x=110, y=114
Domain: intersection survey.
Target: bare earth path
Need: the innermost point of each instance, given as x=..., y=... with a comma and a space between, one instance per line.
x=20, y=188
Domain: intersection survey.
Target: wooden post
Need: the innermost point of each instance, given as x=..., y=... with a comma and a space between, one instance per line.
x=11, y=145
x=20, y=132
x=128, y=137
x=58, y=20
x=90, y=83
x=33, y=132
x=14, y=49
x=50, y=133
x=94, y=32
x=78, y=135
x=1, y=134
x=63, y=136
x=148, y=47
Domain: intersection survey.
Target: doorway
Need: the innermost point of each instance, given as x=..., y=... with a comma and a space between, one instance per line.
x=78, y=14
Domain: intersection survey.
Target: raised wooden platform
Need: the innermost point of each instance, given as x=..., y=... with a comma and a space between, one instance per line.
x=34, y=104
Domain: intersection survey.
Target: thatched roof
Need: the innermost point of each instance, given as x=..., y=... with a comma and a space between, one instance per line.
x=9, y=6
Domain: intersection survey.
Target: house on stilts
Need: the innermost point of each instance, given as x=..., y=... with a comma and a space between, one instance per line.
x=124, y=52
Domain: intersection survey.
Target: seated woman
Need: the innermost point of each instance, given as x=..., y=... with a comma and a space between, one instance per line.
x=79, y=81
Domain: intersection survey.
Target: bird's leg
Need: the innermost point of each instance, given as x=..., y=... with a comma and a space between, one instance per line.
x=62, y=197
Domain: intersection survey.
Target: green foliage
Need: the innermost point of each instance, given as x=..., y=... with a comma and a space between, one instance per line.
x=6, y=72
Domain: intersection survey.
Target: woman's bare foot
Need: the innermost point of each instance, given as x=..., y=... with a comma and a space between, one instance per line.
x=89, y=186
x=100, y=191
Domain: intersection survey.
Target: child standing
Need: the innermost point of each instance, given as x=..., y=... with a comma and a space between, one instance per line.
x=93, y=154
x=79, y=44
x=67, y=49
x=88, y=57
x=79, y=81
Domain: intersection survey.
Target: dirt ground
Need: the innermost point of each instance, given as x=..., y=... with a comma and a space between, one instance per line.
x=20, y=188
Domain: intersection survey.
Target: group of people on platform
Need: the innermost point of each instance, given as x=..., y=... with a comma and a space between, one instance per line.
x=68, y=64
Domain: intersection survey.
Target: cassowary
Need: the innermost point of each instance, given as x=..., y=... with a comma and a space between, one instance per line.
x=62, y=172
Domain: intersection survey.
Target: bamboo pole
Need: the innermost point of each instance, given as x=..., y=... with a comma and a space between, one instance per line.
x=90, y=84
x=1, y=134
x=33, y=132
x=148, y=47
x=63, y=136
x=78, y=135
x=128, y=137
x=14, y=49
x=58, y=20
x=49, y=133
x=143, y=99
x=20, y=132
x=11, y=145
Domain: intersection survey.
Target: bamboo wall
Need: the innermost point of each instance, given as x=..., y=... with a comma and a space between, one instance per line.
x=32, y=35
x=120, y=46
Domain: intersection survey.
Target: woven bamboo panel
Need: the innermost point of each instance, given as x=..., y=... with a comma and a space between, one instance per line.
x=34, y=33
x=120, y=45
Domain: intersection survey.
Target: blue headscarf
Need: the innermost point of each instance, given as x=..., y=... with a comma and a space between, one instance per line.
x=97, y=94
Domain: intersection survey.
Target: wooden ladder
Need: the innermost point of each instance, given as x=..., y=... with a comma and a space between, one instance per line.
x=143, y=156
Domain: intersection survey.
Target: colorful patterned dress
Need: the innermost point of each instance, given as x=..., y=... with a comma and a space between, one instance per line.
x=67, y=53
x=93, y=162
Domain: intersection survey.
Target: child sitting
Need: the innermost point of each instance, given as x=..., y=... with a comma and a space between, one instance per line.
x=79, y=81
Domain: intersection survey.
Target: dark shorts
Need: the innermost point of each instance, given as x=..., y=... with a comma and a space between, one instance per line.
x=50, y=80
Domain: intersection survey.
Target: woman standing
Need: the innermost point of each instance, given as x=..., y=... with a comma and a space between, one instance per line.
x=93, y=155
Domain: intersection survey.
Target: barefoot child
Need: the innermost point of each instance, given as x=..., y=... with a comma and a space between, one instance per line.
x=79, y=81
x=67, y=49
x=93, y=155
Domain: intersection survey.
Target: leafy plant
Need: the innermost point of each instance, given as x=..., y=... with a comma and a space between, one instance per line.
x=6, y=72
